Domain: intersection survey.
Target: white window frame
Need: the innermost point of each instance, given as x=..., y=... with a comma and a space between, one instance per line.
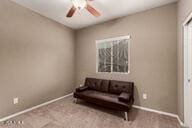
x=113, y=39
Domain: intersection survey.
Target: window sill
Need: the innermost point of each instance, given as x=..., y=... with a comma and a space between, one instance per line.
x=114, y=73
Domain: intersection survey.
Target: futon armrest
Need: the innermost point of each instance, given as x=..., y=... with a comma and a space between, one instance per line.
x=124, y=97
x=80, y=89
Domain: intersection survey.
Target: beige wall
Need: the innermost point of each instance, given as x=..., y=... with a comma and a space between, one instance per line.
x=184, y=9
x=36, y=58
x=153, y=54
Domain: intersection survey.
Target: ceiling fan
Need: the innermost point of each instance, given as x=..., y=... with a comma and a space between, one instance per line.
x=82, y=4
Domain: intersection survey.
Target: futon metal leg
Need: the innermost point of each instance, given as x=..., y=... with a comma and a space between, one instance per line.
x=126, y=116
x=75, y=100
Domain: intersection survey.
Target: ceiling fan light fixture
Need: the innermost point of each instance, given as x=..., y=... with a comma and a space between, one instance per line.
x=79, y=4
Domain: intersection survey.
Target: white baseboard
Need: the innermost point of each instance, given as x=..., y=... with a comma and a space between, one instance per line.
x=35, y=107
x=135, y=106
x=155, y=111
x=160, y=112
x=180, y=122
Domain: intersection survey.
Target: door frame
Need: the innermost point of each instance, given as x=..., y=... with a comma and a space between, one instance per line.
x=187, y=76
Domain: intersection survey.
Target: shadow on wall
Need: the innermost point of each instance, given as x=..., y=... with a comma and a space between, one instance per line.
x=136, y=95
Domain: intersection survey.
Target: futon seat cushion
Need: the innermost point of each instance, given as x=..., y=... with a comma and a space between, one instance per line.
x=102, y=98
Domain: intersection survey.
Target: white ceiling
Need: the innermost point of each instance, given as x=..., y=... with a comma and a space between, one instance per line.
x=109, y=9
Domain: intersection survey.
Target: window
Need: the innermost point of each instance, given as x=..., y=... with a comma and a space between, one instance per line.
x=113, y=55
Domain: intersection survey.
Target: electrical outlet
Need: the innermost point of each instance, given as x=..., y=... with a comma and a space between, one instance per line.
x=15, y=100
x=144, y=96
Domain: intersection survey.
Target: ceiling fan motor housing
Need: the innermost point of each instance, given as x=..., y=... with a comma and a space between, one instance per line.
x=82, y=4
x=79, y=4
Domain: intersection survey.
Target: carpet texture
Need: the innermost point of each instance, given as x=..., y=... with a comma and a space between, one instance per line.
x=66, y=114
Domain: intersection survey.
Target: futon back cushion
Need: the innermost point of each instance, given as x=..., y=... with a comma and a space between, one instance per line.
x=105, y=85
x=117, y=87
x=93, y=83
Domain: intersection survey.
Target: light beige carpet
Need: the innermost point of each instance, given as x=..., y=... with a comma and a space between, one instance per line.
x=66, y=114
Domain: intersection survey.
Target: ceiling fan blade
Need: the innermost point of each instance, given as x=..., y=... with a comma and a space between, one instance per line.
x=92, y=11
x=71, y=11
